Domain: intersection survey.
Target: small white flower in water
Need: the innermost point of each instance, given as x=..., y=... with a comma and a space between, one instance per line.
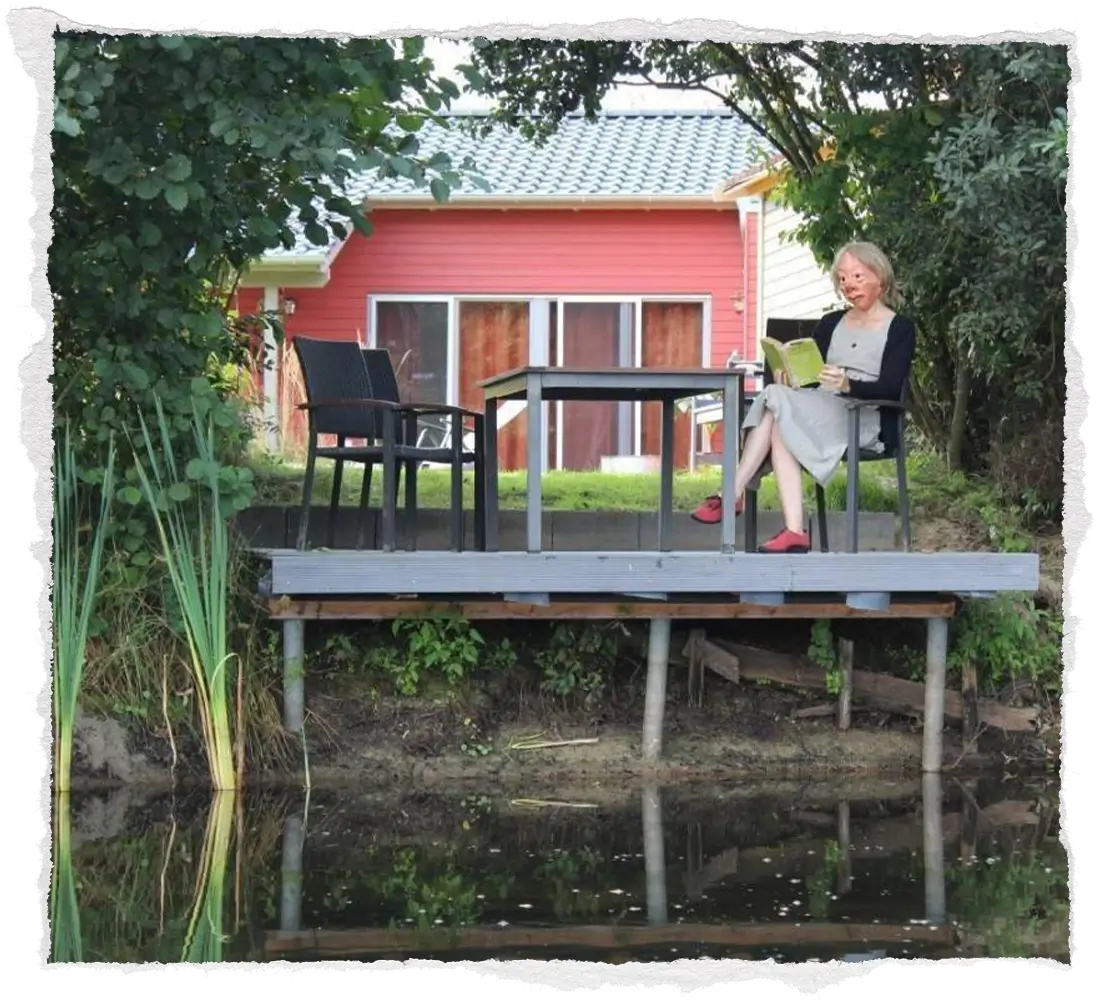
x=796, y=902
x=423, y=911
x=615, y=891
x=635, y=909
x=408, y=919
x=767, y=860
x=576, y=891
x=525, y=905
x=796, y=881
x=779, y=875
x=990, y=860
x=481, y=896
x=834, y=897
x=933, y=927
x=1049, y=870
x=676, y=905
x=437, y=922
x=492, y=849
x=502, y=923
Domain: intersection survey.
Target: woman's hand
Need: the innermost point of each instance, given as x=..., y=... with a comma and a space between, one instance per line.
x=834, y=378
x=780, y=378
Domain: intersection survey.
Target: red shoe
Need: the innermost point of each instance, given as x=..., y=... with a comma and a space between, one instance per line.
x=787, y=541
x=710, y=510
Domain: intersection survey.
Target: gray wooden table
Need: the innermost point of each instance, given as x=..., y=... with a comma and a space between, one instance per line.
x=537, y=385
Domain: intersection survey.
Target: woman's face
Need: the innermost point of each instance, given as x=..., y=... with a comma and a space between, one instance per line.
x=859, y=284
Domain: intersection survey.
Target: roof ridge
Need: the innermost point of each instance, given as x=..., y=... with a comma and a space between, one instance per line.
x=615, y=113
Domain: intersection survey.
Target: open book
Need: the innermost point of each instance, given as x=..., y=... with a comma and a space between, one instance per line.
x=800, y=360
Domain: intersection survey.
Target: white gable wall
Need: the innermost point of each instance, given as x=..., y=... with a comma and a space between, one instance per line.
x=794, y=284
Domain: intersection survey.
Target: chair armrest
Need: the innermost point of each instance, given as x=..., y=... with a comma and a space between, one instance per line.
x=899, y=407
x=352, y=404
x=428, y=408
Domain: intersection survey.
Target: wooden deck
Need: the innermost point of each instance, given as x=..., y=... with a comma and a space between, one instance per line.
x=603, y=566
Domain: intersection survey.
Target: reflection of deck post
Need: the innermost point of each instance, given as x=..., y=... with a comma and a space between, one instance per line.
x=653, y=840
x=656, y=681
x=290, y=901
x=935, y=682
x=844, y=841
x=294, y=674
x=935, y=880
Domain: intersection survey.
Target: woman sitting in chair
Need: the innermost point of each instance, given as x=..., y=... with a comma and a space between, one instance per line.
x=868, y=350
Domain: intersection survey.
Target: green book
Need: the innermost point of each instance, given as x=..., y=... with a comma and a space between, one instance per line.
x=800, y=359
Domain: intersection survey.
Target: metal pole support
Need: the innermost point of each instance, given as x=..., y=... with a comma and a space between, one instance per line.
x=653, y=840
x=660, y=631
x=294, y=675
x=935, y=683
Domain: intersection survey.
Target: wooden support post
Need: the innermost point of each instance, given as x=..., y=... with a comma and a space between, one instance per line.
x=970, y=702
x=935, y=878
x=653, y=841
x=844, y=841
x=935, y=685
x=294, y=675
x=696, y=669
x=846, y=650
x=655, y=687
x=290, y=895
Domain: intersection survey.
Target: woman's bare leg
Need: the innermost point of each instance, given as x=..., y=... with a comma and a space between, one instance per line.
x=788, y=478
x=758, y=443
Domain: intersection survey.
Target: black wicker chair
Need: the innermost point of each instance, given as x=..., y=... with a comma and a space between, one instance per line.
x=785, y=330
x=353, y=393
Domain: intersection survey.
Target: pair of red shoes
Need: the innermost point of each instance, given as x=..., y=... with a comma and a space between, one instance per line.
x=710, y=512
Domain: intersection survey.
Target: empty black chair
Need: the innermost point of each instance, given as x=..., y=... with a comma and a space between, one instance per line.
x=784, y=330
x=353, y=393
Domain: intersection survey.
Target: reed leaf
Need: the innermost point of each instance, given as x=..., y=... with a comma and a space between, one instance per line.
x=206, y=933
x=65, y=939
x=194, y=535
x=75, y=588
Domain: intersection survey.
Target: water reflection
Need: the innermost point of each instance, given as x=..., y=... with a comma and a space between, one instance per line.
x=923, y=869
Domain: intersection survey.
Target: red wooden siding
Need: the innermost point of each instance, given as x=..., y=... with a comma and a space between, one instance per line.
x=500, y=252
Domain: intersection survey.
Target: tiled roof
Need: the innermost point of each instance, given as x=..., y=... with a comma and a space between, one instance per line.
x=620, y=155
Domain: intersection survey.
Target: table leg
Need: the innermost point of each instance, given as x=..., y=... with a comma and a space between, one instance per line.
x=491, y=502
x=731, y=434
x=664, y=513
x=534, y=463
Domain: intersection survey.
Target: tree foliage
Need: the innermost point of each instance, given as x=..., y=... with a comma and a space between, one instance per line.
x=953, y=158
x=177, y=161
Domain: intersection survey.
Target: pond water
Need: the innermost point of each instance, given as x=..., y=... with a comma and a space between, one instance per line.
x=903, y=869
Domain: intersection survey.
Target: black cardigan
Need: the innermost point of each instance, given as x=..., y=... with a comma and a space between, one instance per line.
x=897, y=359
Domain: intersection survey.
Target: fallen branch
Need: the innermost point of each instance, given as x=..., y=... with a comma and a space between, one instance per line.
x=531, y=744
x=536, y=802
x=882, y=692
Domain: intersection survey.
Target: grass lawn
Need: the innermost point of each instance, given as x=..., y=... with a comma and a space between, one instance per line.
x=281, y=483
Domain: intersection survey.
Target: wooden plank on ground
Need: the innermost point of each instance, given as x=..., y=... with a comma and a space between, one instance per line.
x=349, y=572
x=370, y=940
x=884, y=692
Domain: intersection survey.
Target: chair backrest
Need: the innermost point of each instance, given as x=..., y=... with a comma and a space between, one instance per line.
x=381, y=375
x=333, y=369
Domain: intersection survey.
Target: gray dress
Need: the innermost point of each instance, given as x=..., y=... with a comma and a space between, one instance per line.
x=813, y=422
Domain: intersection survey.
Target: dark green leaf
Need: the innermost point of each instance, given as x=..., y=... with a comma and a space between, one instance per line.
x=177, y=168
x=176, y=196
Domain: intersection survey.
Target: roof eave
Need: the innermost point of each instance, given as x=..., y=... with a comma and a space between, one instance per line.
x=533, y=201
x=308, y=270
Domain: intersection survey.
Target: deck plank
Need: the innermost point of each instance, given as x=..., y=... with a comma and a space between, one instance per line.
x=347, y=572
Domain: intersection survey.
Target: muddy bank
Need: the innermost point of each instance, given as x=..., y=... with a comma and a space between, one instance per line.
x=748, y=732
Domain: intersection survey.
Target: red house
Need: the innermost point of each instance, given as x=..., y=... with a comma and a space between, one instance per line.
x=606, y=247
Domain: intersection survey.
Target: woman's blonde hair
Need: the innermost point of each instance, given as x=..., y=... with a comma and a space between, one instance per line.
x=874, y=258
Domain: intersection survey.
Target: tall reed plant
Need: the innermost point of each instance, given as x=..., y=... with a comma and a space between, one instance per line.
x=75, y=587
x=194, y=533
